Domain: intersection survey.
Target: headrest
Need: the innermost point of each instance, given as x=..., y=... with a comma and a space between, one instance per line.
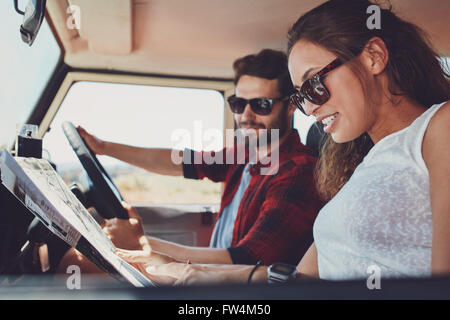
x=316, y=137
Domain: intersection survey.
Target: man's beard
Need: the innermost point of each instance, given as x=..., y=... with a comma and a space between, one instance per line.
x=259, y=138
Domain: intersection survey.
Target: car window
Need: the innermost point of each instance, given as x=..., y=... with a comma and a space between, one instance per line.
x=302, y=123
x=144, y=116
x=25, y=71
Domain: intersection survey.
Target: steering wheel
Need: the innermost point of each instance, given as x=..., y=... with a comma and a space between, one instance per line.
x=105, y=196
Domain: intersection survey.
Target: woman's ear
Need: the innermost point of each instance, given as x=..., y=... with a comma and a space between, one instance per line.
x=375, y=56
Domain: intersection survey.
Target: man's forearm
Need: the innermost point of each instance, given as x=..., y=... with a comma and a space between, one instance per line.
x=193, y=254
x=151, y=159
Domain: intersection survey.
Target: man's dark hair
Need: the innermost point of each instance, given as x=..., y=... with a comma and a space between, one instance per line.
x=267, y=64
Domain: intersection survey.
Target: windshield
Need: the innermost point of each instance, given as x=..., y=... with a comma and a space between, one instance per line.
x=145, y=116
x=24, y=73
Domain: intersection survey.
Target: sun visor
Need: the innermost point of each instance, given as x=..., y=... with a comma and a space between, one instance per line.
x=106, y=25
x=100, y=26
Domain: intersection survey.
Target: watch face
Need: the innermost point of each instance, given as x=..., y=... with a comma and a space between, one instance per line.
x=284, y=269
x=280, y=272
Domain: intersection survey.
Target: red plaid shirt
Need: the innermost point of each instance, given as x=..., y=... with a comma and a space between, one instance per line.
x=275, y=217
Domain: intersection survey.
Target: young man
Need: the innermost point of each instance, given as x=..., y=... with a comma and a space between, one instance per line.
x=269, y=202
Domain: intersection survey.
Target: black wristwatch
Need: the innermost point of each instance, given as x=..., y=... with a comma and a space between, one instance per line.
x=281, y=273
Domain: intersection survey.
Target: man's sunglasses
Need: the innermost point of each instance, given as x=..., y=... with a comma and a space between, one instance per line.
x=313, y=89
x=261, y=106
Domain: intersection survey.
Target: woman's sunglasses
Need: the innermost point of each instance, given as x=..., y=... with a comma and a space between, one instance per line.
x=313, y=89
x=261, y=106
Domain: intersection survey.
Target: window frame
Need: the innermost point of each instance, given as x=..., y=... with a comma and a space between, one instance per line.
x=225, y=87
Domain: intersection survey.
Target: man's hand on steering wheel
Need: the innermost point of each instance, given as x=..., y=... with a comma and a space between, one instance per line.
x=102, y=193
x=95, y=144
x=127, y=234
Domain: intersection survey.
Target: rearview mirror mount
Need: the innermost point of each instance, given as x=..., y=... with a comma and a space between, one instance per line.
x=33, y=16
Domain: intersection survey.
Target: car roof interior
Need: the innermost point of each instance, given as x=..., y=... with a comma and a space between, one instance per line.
x=198, y=38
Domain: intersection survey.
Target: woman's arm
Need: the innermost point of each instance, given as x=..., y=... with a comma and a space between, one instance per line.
x=186, y=274
x=436, y=154
x=306, y=269
x=308, y=266
x=195, y=274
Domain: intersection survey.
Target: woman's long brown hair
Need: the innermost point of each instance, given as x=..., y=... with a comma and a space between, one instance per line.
x=414, y=70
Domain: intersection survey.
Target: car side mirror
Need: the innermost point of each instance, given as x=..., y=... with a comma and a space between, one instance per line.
x=32, y=19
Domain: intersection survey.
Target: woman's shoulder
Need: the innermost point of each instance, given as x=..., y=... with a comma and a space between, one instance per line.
x=437, y=135
x=441, y=119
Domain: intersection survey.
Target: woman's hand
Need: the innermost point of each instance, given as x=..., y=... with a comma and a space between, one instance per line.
x=143, y=259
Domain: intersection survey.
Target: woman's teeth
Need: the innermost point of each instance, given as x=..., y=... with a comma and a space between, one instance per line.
x=329, y=119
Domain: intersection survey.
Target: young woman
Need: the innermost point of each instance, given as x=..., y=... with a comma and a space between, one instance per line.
x=382, y=97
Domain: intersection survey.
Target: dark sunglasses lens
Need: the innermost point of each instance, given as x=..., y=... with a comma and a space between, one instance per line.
x=237, y=105
x=261, y=106
x=297, y=101
x=315, y=91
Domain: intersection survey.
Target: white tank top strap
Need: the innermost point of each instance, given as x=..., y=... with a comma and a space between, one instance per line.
x=416, y=132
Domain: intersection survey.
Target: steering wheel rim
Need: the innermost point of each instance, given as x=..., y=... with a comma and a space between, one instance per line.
x=108, y=197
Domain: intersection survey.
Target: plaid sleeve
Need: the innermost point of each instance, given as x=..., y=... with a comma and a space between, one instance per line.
x=212, y=165
x=283, y=230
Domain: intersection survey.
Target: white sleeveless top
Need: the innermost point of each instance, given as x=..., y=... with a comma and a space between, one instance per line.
x=382, y=215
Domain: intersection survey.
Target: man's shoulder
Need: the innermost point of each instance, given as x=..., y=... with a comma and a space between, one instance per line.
x=301, y=162
x=299, y=155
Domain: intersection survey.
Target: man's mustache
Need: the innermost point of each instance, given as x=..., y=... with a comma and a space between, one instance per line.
x=251, y=124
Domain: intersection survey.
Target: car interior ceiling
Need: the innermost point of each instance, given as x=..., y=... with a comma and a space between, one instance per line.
x=150, y=36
